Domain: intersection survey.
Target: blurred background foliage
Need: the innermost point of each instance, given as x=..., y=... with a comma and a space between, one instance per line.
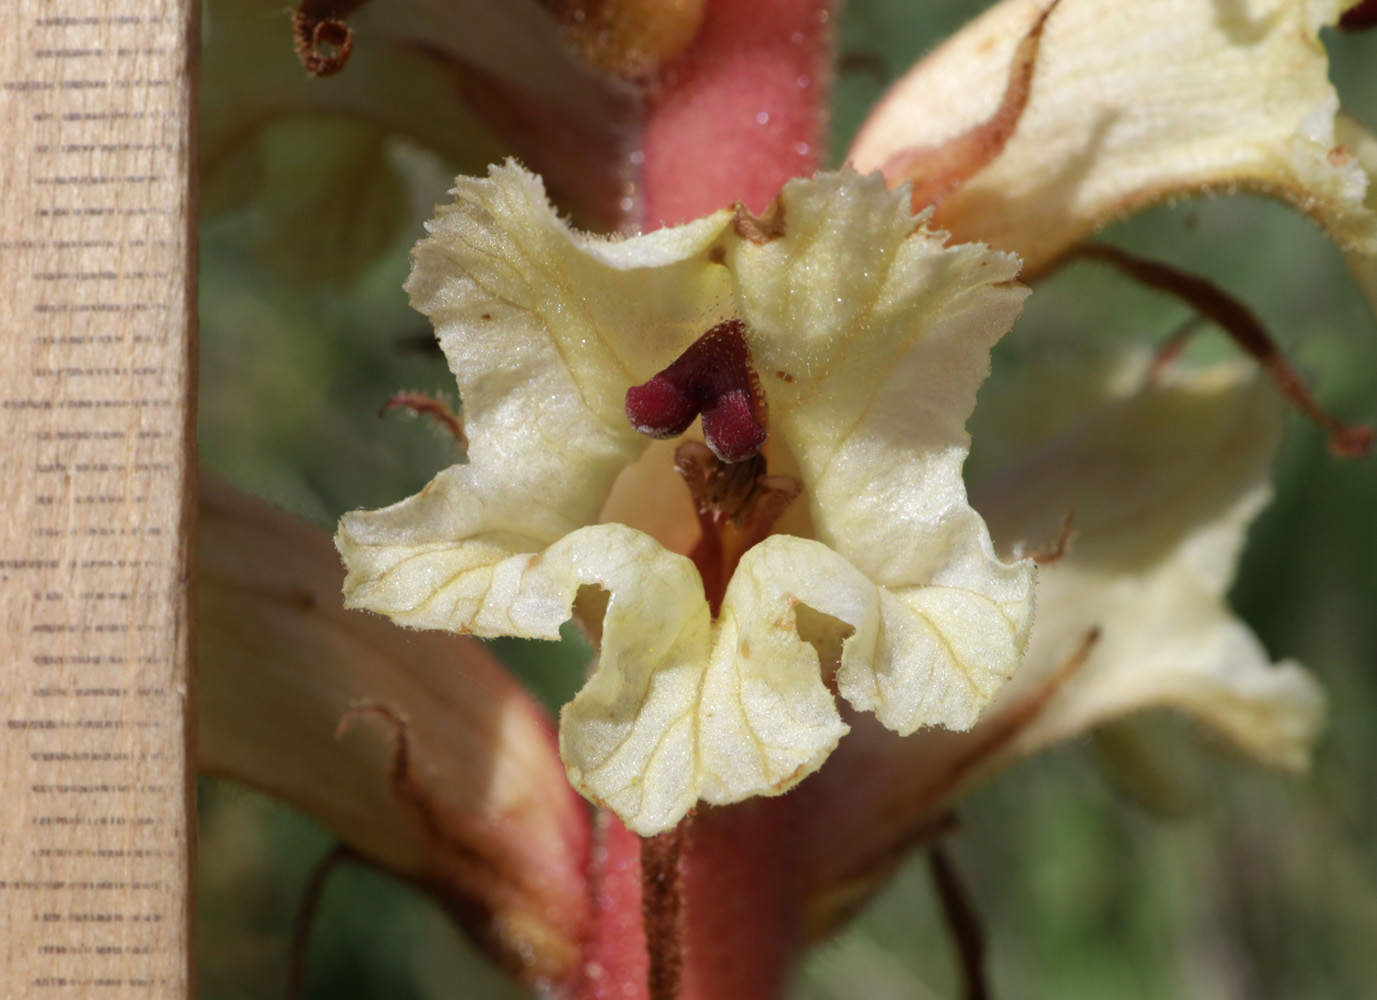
x=1218, y=881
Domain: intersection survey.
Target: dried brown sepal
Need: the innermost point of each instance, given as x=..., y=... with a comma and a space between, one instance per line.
x=309, y=909
x=1360, y=16
x=629, y=39
x=737, y=505
x=1058, y=549
x=963, y=923
x=430, y=406
x=322, y=34
x=759, y=229
x=937, y=171
x=662, y=908
x=481, y=883
x=1246, y=331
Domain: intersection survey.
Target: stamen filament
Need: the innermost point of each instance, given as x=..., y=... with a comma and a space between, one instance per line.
x=662, y=905
x=737, y=505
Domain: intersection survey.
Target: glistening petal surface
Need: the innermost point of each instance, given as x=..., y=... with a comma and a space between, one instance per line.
x=869, y=335
x=1133, y=104
x=871, y=361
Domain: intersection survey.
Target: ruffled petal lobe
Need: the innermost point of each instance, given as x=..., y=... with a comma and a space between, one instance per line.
x=1132, y=105
x=868, y=335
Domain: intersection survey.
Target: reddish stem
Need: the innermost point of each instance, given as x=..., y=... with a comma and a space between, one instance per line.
x=741, y=916
x=662, y=907
x=615, y=965
x=740, y=907
x=732, y=119
x=740, y=112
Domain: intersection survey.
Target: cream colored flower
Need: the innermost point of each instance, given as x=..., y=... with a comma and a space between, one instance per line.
x=867, y=335
x=1164, y=470
x=1132, y=105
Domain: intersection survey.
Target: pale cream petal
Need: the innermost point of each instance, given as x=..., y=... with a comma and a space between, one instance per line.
x=1133, y=104
x=629, y=738
x=545, y=329
x=1163, y=479
x=1164, y=482
x=869, y=335
x=768, y=719
x=870, y=368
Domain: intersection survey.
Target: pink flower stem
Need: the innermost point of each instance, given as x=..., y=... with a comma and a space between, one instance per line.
x=740, y=112
x=740, y=926
x=732, y=119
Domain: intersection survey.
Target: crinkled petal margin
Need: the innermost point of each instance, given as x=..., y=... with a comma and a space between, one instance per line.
x=1132, y=105
x=870, y=334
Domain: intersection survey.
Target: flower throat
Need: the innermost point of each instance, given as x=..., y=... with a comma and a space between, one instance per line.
x=736, y=501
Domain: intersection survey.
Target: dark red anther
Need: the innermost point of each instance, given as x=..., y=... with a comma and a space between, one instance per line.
x=1359, y=16
x=713, y=377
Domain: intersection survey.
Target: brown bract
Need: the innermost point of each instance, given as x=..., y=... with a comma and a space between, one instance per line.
x=936, y=171
x=1246, y=330
x=458, y=791
x=323, y=36
x=629, y=38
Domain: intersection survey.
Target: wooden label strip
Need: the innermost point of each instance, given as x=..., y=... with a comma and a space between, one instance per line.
x=96, y=312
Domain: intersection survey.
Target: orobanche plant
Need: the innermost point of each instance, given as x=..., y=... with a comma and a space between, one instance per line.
x=721, y=423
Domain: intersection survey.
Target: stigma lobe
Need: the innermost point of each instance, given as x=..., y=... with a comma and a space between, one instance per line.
x=713, y=377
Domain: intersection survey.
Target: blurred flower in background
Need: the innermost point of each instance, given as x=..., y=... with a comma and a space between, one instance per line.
x=1031, y=129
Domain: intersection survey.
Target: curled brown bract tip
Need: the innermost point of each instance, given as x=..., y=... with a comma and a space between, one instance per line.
x=1057, y=550
x=937, y=171
x=323, y=37
x=422, y=404
x=630, y=39
x=1245, y=329
x=759, y=229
